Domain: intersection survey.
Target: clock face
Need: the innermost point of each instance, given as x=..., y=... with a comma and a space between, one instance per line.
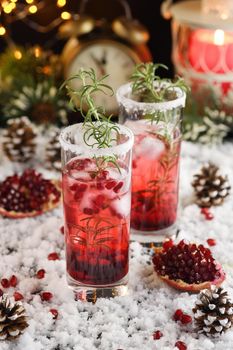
x=105, y=57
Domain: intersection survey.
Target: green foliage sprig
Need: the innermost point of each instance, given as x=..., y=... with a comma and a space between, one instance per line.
x=149, y=87
x=98, y=125
x=99, y=129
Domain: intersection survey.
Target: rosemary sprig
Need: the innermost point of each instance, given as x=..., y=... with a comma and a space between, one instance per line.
x=99, y=127
x=144, y=88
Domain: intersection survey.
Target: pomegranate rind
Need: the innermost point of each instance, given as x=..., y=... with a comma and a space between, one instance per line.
x=47, y=207
x=194, y=287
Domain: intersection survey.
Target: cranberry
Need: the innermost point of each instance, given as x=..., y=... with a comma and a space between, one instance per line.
x=1, y=292
x=54, y=312
x=157, y=335
x=18, y=296
x=13, y=281
x=117, y=188
x=167, y=244
x=181, y=345
x=5, y=283
x=185, y=319
x=53, y=256
x=177, y=315
x=46, y=296
x=211, y=242
x=40, y=274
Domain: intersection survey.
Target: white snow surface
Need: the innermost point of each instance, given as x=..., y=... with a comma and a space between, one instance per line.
x=125, y=323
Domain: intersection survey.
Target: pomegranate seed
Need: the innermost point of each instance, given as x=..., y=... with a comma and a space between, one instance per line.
x=13, y=281
x=18, y=296
x=5, y=283
x=40, y=274
x=62, y=230
x=118, y=187
x=54, y=312
x=1, y=293
x=177, y=315
x=46, y=296
x=211, y=242
x=204, y=211
x=185, y=319
x=209, y=216
x=53, y=256
x=167, y=244
x=110, y=184
x=99, y=200
x=157, y=335
x=181, y=345
x=134, y=164
x=88, y=211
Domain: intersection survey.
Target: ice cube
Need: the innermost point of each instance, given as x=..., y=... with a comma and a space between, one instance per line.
x=150, y=148
x=122, y=205
x=81, y=175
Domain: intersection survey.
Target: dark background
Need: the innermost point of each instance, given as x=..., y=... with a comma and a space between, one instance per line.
x=146, y=11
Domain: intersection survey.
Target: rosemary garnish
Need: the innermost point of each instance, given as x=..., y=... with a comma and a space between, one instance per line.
x=149, y=87
x=100, y=131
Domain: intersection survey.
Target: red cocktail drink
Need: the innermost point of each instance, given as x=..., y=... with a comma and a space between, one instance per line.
x=156, y=153
x=97, y=197
x=155, y=179
x=97, y=214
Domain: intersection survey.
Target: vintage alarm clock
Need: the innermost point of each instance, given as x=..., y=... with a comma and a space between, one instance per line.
x=109, y=47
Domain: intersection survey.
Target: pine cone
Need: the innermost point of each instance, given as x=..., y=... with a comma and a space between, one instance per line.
x=53, y=150
x=13, y=320
x=213, y=312
x=210, y=187
x=19, y=140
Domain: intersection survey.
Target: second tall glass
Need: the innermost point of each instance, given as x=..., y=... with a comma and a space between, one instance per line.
x=156, y=154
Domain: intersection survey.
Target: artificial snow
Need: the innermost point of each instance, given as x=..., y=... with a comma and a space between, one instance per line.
x=126, y=323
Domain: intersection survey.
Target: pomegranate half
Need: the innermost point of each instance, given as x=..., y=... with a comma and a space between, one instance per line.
x=187, y=266
x=28, y=195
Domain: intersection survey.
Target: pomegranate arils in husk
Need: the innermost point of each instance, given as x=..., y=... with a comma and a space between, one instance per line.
x=189, y=263
x=27, y=193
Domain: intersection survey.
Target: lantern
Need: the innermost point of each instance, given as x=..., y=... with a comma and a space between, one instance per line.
x=202, y=32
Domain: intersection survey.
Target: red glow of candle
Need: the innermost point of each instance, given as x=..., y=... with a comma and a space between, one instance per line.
x=211, y=51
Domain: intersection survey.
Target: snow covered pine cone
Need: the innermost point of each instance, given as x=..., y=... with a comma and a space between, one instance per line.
x=19, y=140
x=213, y=312
x=13, y=320
x=211, y=188
x=53, y=150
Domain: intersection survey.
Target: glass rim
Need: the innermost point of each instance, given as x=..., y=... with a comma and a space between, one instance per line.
x=124, y=90
x=90, y=151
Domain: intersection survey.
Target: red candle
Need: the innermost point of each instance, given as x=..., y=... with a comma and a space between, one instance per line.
x=211, y=51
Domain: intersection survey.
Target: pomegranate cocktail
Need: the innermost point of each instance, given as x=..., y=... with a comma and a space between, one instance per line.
x=152, y=108
x=96, y=208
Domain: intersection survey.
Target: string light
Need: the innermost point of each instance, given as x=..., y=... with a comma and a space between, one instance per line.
x=65, y=15
x=19, y=10
x=61, y=3
x=37, y=51
x=2, y=30
x=32, y=9
x=18, y=54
